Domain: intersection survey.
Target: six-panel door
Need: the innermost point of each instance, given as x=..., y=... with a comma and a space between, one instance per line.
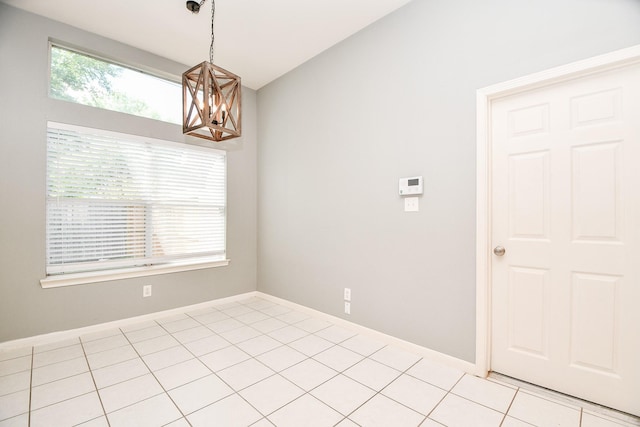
x=566, y=208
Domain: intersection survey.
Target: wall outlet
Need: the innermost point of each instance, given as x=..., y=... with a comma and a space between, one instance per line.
x=411, y=204
x=146, y=291
x=347, y=307
x=347, y=294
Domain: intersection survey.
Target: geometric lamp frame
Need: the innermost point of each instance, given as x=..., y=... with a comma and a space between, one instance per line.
x=211, y=103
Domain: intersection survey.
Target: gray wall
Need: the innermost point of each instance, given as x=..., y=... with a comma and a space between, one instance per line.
x=397, y=100
x=25, y=308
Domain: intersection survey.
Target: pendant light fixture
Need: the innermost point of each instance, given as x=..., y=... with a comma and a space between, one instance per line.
x=211, y=98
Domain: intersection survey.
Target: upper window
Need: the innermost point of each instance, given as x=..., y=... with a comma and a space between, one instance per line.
x=87, y=80
x=116, y=200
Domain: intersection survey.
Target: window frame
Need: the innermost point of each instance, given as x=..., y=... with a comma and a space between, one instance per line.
x=149, y=71
x=178, y=264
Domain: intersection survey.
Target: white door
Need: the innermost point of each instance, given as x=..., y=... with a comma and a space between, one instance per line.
x=565, y=295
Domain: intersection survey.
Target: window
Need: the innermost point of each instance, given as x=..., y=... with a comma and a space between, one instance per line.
x=87, y=80
x=118, y=201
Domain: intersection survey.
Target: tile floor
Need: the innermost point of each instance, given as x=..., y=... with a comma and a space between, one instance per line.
x=256, y=363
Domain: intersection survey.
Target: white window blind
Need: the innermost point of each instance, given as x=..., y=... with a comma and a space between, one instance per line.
x=117, y=201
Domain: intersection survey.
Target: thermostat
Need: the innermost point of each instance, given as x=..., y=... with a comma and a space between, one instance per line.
x=410, y=186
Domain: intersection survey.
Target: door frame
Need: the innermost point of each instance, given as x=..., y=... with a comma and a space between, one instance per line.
x=484, y=99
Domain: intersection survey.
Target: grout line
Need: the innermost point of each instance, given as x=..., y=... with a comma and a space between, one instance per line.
x=120, y=382
x=83, y=357
x=175, y=421
x=280, y=407
x=401, y=374
x=17, y=357
x=55, y=348
x=65, y=400
x=100, y=337
x=379, y=392
x=111, y=363
x=154, y=376
x=523, y=421
x=135, y=403
x=478, y=403
x=513, y=399
x=86, y=359
x=30, y=386
x=445, y=396
x=92, y=419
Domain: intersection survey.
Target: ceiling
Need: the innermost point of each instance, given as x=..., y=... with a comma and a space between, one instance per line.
x=259, y=40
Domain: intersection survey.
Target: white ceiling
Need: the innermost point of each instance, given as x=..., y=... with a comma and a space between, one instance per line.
x=259, y=40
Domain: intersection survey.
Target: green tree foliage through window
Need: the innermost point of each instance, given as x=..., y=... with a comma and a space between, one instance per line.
x=90, y=81
x=75, y=76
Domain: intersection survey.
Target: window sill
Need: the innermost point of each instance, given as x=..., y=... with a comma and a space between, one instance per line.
x=125, y=273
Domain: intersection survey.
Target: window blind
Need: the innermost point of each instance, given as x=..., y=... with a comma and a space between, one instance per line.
x=117, y=201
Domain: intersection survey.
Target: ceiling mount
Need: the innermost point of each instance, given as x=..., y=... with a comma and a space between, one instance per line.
x=194, y=6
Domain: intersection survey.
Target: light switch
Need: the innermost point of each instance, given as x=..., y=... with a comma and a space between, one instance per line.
x=411, y=204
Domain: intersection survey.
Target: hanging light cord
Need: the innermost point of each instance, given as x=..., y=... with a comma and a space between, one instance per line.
x=213, y=15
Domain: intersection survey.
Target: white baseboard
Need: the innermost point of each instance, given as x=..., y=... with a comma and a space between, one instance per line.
x=433, y=355
x=425, y=352
x=73, y=333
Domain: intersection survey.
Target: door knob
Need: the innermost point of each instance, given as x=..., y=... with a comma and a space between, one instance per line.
x=499, y=250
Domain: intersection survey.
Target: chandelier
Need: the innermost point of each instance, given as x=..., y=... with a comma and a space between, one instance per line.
x=211, y=98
